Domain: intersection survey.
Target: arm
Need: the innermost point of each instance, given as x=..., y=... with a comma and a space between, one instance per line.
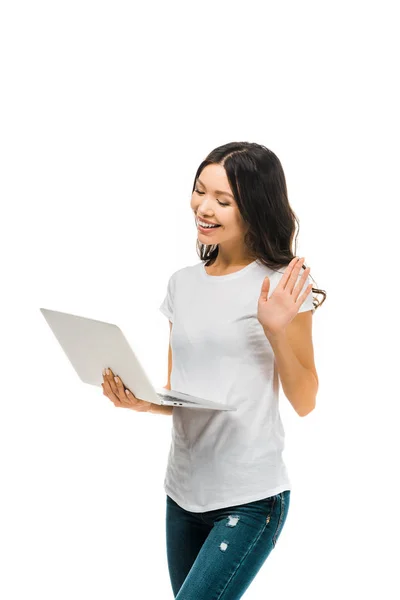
x=294, y=359
x=158, y=409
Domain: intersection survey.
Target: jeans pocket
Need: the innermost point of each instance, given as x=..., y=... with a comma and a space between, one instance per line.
x=282, y=508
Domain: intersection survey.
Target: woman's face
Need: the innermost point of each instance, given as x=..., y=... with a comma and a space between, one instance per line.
x=213, y=201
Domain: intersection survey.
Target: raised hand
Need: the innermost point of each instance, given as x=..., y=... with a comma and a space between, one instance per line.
x=276, y=312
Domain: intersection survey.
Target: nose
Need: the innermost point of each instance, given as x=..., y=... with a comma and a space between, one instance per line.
x=202, y=208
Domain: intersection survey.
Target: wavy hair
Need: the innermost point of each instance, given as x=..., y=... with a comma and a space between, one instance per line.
x=258, y=183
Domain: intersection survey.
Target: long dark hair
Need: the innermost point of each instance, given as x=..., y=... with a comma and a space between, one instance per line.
x=258, y=183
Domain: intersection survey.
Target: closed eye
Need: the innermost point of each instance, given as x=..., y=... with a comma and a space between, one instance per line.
x=201, y=193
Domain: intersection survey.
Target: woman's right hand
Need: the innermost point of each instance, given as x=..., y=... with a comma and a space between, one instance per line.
x=116, y=392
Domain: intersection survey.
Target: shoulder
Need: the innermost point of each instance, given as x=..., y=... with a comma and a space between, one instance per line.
x=185, y=273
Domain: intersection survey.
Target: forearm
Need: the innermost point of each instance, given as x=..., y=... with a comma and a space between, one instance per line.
x=298, y=383
x=159, y=409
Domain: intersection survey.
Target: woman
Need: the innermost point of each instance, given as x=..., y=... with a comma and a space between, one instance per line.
x=240, y=321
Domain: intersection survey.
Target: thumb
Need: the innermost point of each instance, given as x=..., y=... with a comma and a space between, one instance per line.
x=265, y=288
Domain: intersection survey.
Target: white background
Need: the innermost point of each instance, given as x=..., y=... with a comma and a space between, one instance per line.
x=107, y=109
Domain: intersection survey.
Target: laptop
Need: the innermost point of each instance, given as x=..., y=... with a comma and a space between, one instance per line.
x=92, y=346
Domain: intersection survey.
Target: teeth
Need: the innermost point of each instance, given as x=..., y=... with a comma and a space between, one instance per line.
x=207, y=225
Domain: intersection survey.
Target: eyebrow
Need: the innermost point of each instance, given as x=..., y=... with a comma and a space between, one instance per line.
x=216, y=191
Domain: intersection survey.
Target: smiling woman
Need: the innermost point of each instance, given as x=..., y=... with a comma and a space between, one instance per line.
x=256, y=219
x=241, y=320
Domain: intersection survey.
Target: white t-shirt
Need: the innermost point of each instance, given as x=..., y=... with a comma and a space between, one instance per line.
x=220, y=352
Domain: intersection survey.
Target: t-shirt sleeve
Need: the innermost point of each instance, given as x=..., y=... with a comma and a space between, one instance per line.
x=167, y=305
x=308, y=302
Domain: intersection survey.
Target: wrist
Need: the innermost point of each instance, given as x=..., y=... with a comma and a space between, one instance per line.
x=274, y=337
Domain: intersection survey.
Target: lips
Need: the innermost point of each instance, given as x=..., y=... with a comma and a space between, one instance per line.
x=206, y=221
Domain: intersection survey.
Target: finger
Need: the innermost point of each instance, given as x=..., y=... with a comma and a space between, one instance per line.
x=106, y=392
x=120, y=389
x=126, y=400
x=304, y=295
x=300, y=283
x=299, y=287
x=294, y=275
x=106, y=380
x=110, y=378
x=108, y=375
x=287, y=273
x=110, y=393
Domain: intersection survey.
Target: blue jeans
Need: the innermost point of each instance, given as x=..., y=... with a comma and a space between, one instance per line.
x=215, y=555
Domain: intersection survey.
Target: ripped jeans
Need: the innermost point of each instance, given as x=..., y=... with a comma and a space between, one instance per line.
x=215, y=555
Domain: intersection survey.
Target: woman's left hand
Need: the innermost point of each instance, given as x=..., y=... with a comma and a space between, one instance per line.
x=276, y=312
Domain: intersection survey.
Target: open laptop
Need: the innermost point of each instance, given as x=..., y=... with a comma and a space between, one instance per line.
x=92, y=346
